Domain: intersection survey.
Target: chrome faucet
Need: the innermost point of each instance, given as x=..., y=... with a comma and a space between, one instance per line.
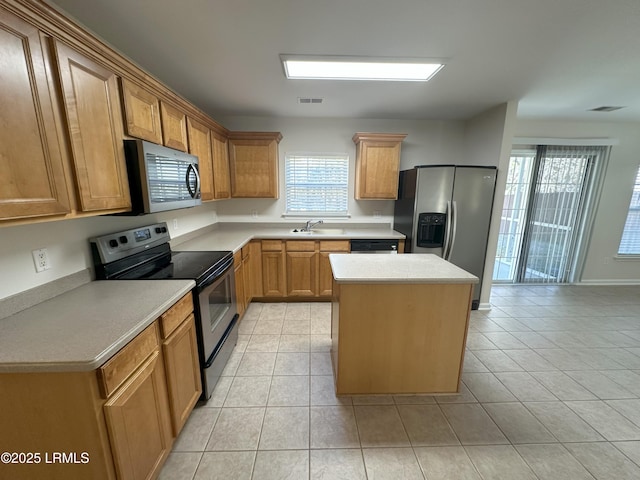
x=310, y=224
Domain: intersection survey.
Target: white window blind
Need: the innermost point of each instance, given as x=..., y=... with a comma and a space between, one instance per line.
x=630, y=242
x=316, y=183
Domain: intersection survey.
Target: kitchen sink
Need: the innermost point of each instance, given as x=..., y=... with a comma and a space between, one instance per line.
x=319, y=231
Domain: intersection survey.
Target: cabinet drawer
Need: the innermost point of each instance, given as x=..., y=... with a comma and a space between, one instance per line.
x=334, y=246
x=245, y=251
x=301, y=245
x=173, y=317
x=237, y=259
x=114, y=373
x=271, y=245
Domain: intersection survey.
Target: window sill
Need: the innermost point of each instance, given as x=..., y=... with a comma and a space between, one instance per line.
x=627, y=258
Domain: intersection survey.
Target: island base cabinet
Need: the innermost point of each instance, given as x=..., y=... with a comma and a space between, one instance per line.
x=399, y=338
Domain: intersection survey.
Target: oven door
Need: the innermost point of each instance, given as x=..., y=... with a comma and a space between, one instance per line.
x=218, y=327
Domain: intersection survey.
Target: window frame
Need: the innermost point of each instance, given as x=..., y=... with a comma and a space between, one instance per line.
x=317, y=213
x=635, y=195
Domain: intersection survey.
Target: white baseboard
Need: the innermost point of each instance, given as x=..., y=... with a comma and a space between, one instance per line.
x=484, y=307
x=609, y=282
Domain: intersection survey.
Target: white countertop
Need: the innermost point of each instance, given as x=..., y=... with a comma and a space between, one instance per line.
x=233, y=237
x=398, y=268
x=81, y=329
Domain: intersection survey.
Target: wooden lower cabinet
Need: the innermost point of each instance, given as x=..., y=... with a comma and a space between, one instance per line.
x=399, y=338
x=240, y=283
x=182, y=368
x=116, y=422
x=325, y=275
x=273, y=269
x=302, y=268
x=137, y=418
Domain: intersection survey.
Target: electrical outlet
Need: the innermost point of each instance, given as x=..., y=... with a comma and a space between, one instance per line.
x=41, y=259
x=175, y=224
x=376, y=214
x=254, y=213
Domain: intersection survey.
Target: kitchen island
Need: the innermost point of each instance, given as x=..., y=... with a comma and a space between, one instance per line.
x=398, y=323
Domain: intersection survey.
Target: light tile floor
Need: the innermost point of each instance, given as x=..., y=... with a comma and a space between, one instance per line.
x=551, y=390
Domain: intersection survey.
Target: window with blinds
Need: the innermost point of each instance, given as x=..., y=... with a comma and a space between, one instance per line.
x=630, y=242
x=316, y=184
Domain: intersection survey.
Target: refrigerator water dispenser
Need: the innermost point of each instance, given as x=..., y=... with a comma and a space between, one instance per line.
x=431, y=230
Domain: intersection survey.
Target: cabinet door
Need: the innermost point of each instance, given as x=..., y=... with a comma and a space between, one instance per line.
x=221, y=175
x=174, y=127
x=183, y=372
x=256, y=268
x=32, y=179
x=137, y=418
x=377, y=165
x=141, y=112
x=302, y=274
x=253, y=163
x=200, y=146
x=247, y=266
x=94, y=118
x=273, y=274
x=240, y=282
x=325, y=274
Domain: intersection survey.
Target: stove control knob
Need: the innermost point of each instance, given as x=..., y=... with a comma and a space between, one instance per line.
x=158, y=230
x=113, y=243
x=164, y=229
x=123, y=239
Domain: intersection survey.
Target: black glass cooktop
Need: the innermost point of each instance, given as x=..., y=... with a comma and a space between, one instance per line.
x=192, y=265
x=162, y=263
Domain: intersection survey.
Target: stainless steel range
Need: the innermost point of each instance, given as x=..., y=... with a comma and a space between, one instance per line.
x=144, y=254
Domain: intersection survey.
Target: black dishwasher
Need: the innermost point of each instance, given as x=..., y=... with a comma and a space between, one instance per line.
x=374, y=246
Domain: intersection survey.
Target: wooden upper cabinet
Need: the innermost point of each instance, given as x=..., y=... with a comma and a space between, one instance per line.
x=141, y=112
x=32, y=181
x=253, y=163
x=94, y=119
x=174, y=127
x=200, y=146
x=221, y=175
x=377, y=165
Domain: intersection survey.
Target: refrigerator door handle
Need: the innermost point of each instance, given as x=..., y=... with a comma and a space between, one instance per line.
x=454, y=229
x=447, y=232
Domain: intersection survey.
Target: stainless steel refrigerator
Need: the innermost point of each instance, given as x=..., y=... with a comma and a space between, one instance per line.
x=446, y=210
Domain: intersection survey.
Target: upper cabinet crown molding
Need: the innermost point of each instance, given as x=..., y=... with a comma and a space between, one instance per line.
x=377, y=165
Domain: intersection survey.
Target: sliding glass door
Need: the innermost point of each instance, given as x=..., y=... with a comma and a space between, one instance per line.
x=544, y=213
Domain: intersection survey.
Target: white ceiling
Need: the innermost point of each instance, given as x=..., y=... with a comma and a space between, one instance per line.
x=558, y=58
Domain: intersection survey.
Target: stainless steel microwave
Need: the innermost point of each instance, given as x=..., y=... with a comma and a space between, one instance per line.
x=161, y=178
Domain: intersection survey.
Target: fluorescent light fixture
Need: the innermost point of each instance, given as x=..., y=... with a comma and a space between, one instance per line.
x=359, y=68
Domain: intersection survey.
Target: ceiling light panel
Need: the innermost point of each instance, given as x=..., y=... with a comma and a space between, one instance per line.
x=350, y=68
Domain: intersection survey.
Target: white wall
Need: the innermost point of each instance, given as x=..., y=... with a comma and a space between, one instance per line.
x=488, y=142
x=67, y=243
x=426, y=142
x=601, y=265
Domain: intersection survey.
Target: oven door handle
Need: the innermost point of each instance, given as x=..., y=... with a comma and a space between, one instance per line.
x=212, y=357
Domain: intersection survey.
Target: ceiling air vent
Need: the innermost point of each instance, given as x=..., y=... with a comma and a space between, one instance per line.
x=605, y=109
x=310, y=100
